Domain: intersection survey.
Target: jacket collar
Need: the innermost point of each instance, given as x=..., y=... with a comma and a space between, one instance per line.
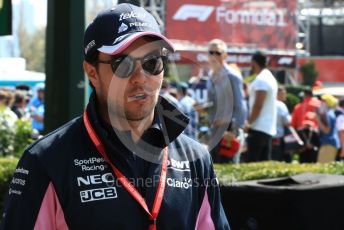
x=167, y=125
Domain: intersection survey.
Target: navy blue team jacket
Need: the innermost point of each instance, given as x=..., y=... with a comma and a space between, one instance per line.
x=62, y=182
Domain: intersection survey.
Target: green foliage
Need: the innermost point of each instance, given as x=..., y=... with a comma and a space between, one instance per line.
x=14, y=138
x=229, y=173
x=6, y=135
x=291, y=101
x=294, y=89
x=293, y=92
x=309, y=73
x=22, y=137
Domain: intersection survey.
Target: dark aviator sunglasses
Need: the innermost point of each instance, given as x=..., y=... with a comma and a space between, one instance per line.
x=213, y=53
x=124, y=65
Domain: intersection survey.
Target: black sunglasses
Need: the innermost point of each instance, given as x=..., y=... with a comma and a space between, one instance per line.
x=124, y=65
x=213, y=53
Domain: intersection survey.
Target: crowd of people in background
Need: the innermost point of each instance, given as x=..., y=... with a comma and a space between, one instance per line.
x=244, y=122
x=23, y=103
x=259, y=125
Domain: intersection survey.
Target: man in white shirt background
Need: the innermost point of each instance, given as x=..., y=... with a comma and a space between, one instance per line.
x=262, y=118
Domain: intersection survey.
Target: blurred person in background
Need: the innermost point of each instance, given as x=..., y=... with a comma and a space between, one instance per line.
x=165, y=92
x=186, y=105
x=261, y=124
x=20, y=103
x=36, y=108
x=283, y=122
x=308, y=104
x=6, y=99
x=225, y=81
x=340, y=127
x=326, y=119
x=309, y=134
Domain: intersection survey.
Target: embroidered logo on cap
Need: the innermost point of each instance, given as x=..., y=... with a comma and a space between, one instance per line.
x=122, y=28
x=90, y=45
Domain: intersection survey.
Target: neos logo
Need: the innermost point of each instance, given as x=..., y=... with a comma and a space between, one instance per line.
x=199, y=12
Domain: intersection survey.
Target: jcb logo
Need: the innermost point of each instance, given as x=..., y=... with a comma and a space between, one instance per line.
x=98, y=194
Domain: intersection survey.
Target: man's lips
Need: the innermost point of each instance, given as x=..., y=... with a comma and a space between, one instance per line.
x=137, y=97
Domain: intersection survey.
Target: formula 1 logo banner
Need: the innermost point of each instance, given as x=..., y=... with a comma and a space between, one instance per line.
x=261, y=24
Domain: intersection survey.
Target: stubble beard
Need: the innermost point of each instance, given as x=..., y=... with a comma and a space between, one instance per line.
x=123, y=114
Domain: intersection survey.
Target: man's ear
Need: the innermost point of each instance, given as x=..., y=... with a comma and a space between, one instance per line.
x=91, y=72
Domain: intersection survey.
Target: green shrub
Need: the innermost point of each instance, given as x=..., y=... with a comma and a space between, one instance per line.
x=295, y=89
x=22, y=137
x=291, y=101
x=309, y=73
x=7, y=133
x=14, y=138
x=229, y=173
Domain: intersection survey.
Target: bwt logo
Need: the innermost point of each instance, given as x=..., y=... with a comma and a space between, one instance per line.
x=179, y=165
x=199, y=12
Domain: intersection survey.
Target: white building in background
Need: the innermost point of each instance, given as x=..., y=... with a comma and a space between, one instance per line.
x=13, y=72
x=33, y=13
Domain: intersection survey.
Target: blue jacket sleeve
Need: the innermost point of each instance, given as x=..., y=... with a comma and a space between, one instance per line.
x=25, y=195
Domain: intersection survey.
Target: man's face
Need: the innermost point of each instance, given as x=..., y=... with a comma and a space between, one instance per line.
x=282, y=94
x=254, y=67
x=132, y=98
x=216, y=56
x=40, y=94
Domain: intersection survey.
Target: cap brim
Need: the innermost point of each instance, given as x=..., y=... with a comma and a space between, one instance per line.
x=120, y=47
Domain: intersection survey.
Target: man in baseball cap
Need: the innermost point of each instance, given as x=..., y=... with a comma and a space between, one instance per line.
x=114, y=30
x=124, y=164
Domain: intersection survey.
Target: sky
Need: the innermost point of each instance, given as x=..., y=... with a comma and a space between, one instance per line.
x=40, y=10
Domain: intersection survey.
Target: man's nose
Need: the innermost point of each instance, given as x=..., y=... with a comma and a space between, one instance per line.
x=138, y=76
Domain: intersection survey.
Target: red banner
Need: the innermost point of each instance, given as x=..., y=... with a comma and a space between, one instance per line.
x=261, y=24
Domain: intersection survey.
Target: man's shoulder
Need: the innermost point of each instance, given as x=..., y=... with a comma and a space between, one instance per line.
x=232, y=72
x=282, y=107
x=192, y=149
x=58, y=139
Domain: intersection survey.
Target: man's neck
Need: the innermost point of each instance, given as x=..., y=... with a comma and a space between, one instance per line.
x=217, y=69
x=259, y=71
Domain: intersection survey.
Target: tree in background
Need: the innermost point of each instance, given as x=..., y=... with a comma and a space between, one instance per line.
x=32, y=45
x=309, y=73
